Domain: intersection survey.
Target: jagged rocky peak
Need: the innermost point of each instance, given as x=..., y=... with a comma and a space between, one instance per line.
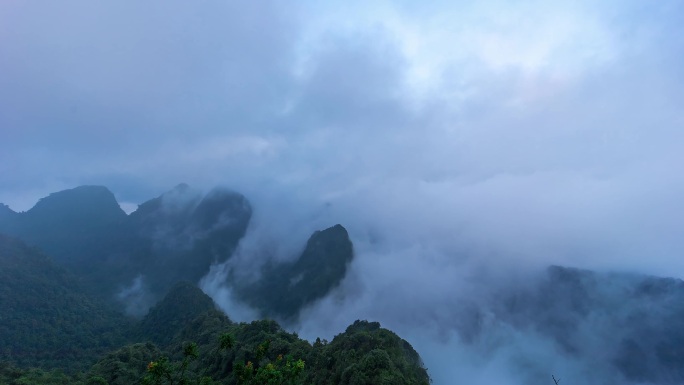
x=286, y=288
x=330, y=244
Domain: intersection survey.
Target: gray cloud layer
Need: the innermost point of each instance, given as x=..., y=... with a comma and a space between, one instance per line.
x=451, y=140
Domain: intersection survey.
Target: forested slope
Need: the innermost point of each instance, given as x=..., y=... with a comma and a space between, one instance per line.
x=45, y=317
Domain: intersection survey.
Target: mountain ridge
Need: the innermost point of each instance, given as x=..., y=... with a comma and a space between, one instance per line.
x=177, y=236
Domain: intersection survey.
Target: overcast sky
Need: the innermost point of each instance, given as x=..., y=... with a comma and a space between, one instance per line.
x=442, y=134
x=550, y=125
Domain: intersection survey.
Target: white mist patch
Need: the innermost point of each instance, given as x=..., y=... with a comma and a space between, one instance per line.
x=445, y=310
x=504, y=356
x=182, y=198
x=136, y=297
x=214, y=285
x=128, y=207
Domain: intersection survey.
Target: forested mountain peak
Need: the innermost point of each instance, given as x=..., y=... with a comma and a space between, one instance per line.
x=183, y=303
x=285, y=288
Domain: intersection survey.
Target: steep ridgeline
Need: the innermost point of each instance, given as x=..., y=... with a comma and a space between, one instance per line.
x=285, y=288
x=176, y=236
x=187, y=232
x=364, y=354
x=45, y=318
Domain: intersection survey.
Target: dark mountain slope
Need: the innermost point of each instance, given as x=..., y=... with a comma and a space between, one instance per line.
x=182, y=304
x=45, y=318
x=73, y=226
x=286, y=288
x=174, y=237
x=187, y=232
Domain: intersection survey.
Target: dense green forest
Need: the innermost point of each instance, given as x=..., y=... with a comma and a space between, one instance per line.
x=45, y=318
x=53, y=332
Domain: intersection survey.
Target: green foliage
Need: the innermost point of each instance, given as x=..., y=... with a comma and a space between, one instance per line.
x=366, y=354
x=284, y=371
x=125, y=365
x=261, y=352
x=40, y=377
x=45, y=318
x=11, y=375
x=281, y=371
x=226, y=341
x=162, y=372
x=182, y=304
